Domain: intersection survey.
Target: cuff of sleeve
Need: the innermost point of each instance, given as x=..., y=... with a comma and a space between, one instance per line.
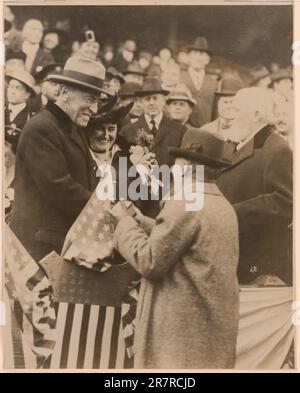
x=122, y=227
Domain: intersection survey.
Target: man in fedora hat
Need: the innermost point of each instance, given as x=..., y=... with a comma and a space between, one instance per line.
x=134, y=73
x=126, y=95
x=200, y=84
x=188, y=302
x=113, y=80
x=282, y=84
x=180, y=104
x=49, y=90
x=166, y=132
x=224, y=96
x=54, y=169
x=19, y=90
x=259, y=184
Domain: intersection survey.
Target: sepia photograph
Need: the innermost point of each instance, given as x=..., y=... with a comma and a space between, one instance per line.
x=148, y=198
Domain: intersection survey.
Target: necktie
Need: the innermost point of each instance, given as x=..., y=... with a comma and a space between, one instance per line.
x=153, y=129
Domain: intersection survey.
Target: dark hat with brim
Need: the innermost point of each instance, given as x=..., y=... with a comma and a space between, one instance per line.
x=129, y=89
x=151, y=86
x=113, y=116
x=41, y=73
x=22, y=76
x=200, y=44
x=84, y=73
x=135, y=69
x=202, y=147
x=112, y=72
x=229, y=86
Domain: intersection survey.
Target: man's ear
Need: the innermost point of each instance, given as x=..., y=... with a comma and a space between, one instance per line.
x=65, y=92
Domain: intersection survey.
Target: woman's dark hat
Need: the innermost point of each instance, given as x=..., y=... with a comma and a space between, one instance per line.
x=202, y=147
x=114, y=116
x=41, y=73
x=229, y=86
x=150, y=86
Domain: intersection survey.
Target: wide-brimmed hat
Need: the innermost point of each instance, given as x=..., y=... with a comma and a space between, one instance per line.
x=112, y=72
x=202, y=147
x=229, y=86
x=80, y=71
x=150, y=86
x=41, y=73
x=22, y=76
x=135, y=69
x=129, y=89
x=200, y=44
x=181, y=93
x=258, y=73
x=114, y=115
x=279, y=75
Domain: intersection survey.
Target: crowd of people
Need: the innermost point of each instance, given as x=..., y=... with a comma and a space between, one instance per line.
x=71, y=108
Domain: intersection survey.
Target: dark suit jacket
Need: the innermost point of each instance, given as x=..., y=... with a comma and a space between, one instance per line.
x=21, y=119
x=169, y=134
x=203, y=111
x=42, y=58
x=259, y=185
x=54, y=180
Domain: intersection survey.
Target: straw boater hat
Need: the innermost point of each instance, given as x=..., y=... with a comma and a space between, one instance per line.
x=85, y=73
x=150, y=86
x=200, y=44
x=229, y=86
x=202, y=147
x=181, y=93
x=22, y=76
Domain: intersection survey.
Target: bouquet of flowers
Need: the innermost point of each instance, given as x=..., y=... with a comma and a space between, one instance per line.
x=144, y=160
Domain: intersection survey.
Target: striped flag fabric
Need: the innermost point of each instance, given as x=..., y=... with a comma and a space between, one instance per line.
x=30, y=297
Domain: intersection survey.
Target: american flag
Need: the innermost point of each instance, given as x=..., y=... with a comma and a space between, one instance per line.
x=30, y=297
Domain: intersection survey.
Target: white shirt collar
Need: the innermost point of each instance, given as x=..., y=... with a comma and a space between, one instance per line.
x=157, y=120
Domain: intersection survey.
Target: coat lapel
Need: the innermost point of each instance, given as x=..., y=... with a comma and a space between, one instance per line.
x=240, y=155
x=162, y=132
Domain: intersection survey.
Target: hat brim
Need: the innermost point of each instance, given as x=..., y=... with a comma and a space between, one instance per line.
x=279, y=78
x=209, y=52
x=29, y=88
x=150, y=92
x=178, y=152
x=113, y=116
x=71, y=81
x=134, y=73
x=226, y=93
x=169, y=100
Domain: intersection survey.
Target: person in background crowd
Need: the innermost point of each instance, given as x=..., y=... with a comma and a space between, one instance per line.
x=283, y=119
x=259, y=185
x=14, y=59
x=12, y=36
x=228, y=88
x=134, y=73
x=19, y=90
x=87, y=45
x=113, y=80
x=170, y=76
x=127, y=94
x=145, y=59
x=126, y=55
x=260, y=77
x=35, y=56
x=163, y=60
x=182, y=60
x=282, y=84
x=49, y=89
x=54, y=43
x=188, y=264
x=200, y=84
x=54, y=169
x=107, y=56
x=213, y=71
x=180, y=104
x=166, y=132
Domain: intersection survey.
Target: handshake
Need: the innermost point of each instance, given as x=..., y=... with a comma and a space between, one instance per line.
x=122, y=209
